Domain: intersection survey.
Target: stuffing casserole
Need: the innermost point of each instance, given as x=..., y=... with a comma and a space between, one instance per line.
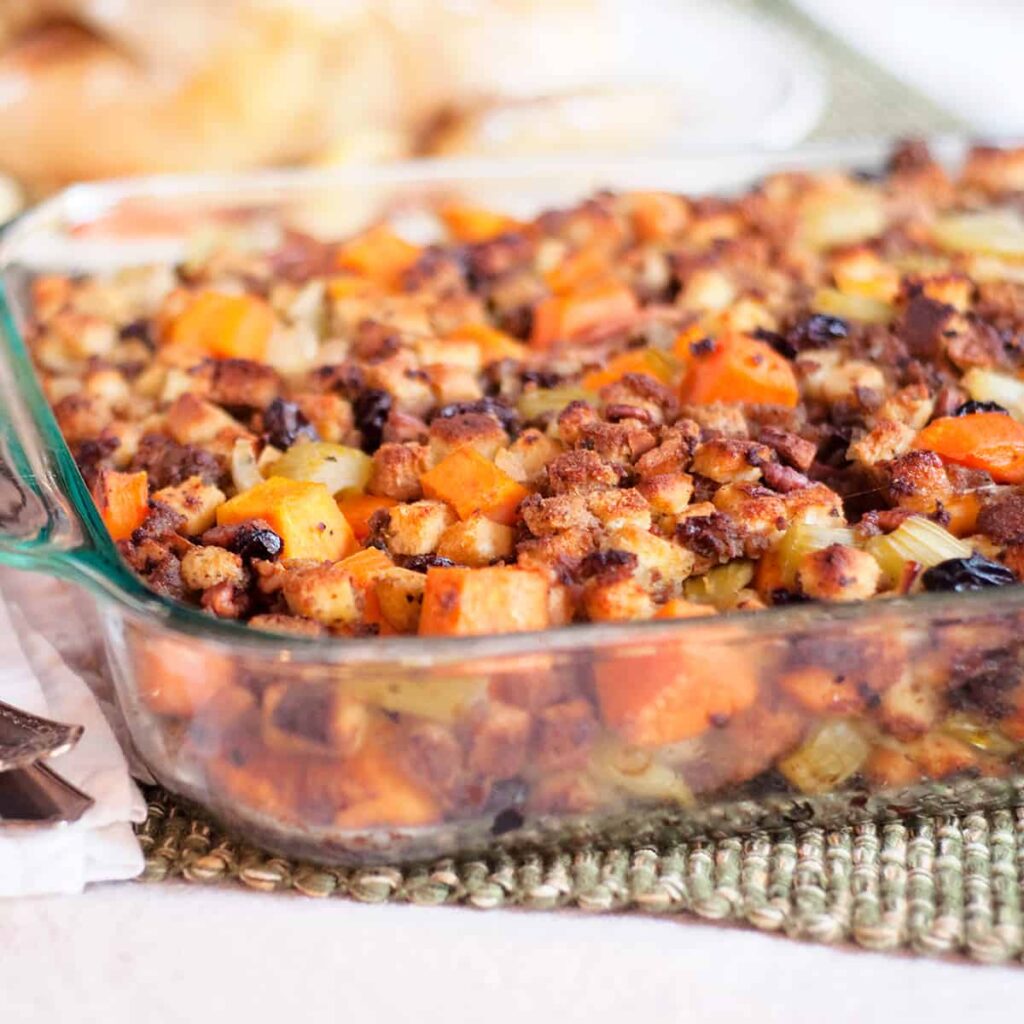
x=647, y=406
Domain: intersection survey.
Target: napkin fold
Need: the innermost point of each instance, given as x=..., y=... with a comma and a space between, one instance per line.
x=101, y=845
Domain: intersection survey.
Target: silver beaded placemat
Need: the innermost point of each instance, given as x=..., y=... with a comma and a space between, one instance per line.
x=945, y=886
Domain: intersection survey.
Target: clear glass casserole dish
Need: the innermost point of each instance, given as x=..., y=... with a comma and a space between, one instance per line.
x=259, y=727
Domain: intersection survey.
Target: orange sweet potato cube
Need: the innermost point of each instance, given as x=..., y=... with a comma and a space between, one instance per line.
x=122, y=500
x=680, y=691
x=303, y=514
x=470, y=483
x=177, y=678
x=378, y=255
x=496, y=599
x=494, y=345
x=381, y=792
x=223, y=326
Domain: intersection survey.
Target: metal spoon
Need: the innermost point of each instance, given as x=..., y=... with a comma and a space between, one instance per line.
x=31, y=793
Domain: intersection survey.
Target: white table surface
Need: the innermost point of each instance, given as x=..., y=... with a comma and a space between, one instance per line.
x=148, y=954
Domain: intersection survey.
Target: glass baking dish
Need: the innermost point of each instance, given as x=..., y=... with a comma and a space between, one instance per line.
x=271, y=733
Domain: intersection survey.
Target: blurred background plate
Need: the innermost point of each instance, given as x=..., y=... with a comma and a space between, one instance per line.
x=680, y=75
x=737, y=78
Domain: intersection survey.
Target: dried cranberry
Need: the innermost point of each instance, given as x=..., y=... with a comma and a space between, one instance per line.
x=507, y=820
x=253, y=540
x=138, y=330
x=984, y=681
x=971, y=407
x=371, y=408
x=517, y=321
x=542, y=378
x=613, y=561
x=777, y=341
x=421, y=563
x=284, y=424
x=973, y=573
x=93, y=454
x=818, y=331
x=502, y=412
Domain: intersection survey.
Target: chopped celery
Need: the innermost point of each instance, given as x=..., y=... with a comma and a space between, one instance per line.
x=851, y=307
x=803, y=538
x=842, y=217
x=999, y=232
x=534, y=404
x=441, y=700
x=720, y=586
x=916, y=540
x=828, y=757
x=978, y=733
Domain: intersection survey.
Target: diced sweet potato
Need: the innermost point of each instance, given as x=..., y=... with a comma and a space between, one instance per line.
x=824, y=690
x=499, y=599
x=602, y=304
x=649, y=361
x=471, y=483
x=223, y=326
x=681, y=608
x=367, y=567
x=494, y=345
x=657, y=216
x=178, y=677
x=303, y=514
x=889, y=766
x=384, y=793
x=474, y=223
x=682, y=691
x=358, y=510
x=991, y=441
x=586, y=264
x=122, y=500
x=378, y=255
x=740, y=369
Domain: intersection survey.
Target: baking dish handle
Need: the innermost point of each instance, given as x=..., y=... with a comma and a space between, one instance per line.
x=39, y=525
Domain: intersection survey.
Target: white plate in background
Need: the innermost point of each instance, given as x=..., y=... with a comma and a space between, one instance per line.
x=737, y=80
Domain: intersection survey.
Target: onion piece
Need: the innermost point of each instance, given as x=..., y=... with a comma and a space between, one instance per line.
x=245, y=473
x=998, y=232
x=827, y=758
x=915, y=540
x=989, y=386
x=337, y=466
x=635, y=772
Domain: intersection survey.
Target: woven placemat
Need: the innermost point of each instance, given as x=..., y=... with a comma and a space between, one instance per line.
x=938, y=886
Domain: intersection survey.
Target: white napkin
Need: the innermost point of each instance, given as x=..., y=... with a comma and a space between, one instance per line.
x=100, y=846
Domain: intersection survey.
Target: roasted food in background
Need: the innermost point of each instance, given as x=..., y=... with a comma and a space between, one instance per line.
x=90, y=90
